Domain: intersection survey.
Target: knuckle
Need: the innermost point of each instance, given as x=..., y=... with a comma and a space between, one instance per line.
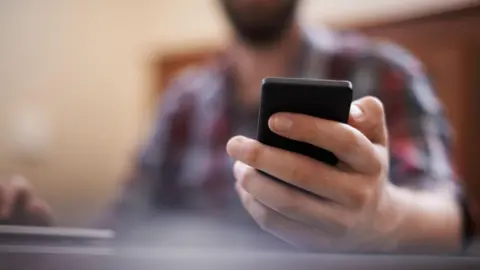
x=246, y=177
x=298, y=174
x=261, y=214
x=249, y=204
x=377, y=164
x=360, y=197
x=347, y=222
x=248, y=201
x=350, y=142
x=374, y=104
x=376, y=112
x=343, y=222
x=252, y=153
x=265, y=219
x=312, y=127
x=337, y=226
x=239, y=188
x=290, y=206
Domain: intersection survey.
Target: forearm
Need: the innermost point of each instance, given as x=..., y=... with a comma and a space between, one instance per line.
x=431, y=222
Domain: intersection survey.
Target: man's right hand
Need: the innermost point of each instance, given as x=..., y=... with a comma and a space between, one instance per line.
x=356, y=208
x=19, y=205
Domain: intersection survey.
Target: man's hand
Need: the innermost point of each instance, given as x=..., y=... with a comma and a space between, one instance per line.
x=354, y=206
x=19, y=205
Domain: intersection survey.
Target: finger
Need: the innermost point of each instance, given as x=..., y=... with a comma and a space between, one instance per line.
x=346, y=142
x=39, y=213
x=296, y=234
x=4, y=202
x=293, y=204
x=368, y=116
x=21, y=192
x=316, y=177
x=17, y=194
x=11, y=193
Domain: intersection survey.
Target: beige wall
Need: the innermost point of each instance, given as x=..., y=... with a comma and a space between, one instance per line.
x=81, y=65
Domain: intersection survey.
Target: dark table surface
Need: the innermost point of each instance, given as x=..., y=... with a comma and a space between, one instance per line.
x=211, y=258
x=192, y=243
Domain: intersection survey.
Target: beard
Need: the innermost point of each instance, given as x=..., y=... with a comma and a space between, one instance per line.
x=260, y=24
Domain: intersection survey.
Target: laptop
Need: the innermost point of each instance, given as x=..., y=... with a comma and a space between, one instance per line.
x=31, y=235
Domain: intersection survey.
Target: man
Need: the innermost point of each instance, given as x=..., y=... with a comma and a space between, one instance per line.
x=184, y=166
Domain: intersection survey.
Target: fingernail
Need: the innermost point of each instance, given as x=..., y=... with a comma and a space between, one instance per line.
x=282, y=123
x=356, y=112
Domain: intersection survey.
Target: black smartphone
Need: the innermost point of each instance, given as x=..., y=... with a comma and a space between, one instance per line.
x=327, y=99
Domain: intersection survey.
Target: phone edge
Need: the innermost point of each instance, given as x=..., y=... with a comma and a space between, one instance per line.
x=305, y=81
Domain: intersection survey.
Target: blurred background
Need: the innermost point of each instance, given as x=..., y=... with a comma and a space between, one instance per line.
x=80, y=79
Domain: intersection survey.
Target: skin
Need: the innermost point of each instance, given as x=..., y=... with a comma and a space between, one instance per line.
x=20, y=205
x=354, y=206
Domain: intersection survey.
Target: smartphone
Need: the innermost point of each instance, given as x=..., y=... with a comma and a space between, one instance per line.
x=327, y=99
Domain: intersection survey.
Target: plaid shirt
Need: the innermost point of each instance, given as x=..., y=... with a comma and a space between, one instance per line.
x=184, y=164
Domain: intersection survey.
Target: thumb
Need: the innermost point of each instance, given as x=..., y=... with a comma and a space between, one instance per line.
x=368, y=116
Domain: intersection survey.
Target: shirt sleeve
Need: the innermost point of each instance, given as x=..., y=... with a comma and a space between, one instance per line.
x=153, y=180
x=419, y=135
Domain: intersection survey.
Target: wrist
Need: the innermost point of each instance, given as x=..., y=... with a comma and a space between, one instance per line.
x=430, y=223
